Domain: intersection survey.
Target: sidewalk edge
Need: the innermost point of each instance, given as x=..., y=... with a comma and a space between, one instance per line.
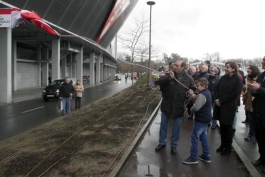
x=251, y=169
x=121, y=163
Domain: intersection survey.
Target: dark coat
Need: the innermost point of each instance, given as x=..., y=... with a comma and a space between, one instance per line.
x=259, y=104
x=204, y=75
x=65, y=90
x=174, y=94
x=195, y=76
x=227, y=91
x=213, y=81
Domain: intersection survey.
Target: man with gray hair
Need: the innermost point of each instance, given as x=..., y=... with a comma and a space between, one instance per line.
x=193, y=73
x=204, y=72
x=65, y=93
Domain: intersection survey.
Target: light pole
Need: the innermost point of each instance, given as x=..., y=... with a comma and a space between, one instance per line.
x=150, y=3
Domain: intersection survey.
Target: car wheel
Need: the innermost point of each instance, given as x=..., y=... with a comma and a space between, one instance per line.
x=45, y=99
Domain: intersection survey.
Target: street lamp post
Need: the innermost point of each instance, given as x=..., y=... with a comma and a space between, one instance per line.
x=150, y=3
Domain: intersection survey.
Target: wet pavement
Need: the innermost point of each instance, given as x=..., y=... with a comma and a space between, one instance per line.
x=144, y=161
x=27, y=112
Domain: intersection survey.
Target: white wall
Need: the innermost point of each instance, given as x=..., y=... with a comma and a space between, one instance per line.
x=27, y=75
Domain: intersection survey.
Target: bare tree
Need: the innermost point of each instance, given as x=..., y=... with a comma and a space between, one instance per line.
x=133, y=38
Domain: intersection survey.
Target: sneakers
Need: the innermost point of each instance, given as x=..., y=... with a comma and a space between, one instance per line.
x=190, y=161
x=205, y=159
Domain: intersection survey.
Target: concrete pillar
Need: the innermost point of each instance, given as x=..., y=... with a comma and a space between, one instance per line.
x=6, y=65
x=73, y=70
x=56, y=59
x=79, y=65
x=70, y=66
x=92, y=70
x=99, y=58
x=63, y=67
x=39, y=58
x=45, y=74
x=14, y=66
x=101, y=73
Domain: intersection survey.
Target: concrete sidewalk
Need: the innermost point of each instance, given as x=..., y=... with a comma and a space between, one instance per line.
x=146, y=161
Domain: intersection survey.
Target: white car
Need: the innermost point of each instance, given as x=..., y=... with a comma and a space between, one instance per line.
x=117, y=77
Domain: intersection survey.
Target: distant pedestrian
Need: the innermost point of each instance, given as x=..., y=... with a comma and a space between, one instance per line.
x=258, y=91
x=65, y=93
x=126, y=77
x=78, y=93
x=172, y=107
x=202, y=110
x=225, y=95
x=50, y=80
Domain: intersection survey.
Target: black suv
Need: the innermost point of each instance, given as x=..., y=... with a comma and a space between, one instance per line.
x=52, y=91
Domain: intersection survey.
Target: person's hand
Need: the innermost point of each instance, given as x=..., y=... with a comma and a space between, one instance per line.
x=60, y=98
x=255, y=86
x=217, y=102
x=71, y=94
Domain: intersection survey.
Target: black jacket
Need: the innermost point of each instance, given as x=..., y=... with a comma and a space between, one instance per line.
x=65, y=90
x=204, y=75
x=213, y=81
x=195, y=76
x=174, y=94
x=227, y=91
x=259, y=104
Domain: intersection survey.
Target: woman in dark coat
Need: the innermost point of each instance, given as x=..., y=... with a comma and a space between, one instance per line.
x=225, y=94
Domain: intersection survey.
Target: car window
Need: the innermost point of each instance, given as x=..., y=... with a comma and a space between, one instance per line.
x=57, y=82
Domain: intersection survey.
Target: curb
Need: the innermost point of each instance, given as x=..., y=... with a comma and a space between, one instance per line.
x=251, y=169
x=125, y=157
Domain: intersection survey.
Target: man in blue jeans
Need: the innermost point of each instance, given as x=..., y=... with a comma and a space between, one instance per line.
x=173, y=86
x=203, y=116
x=65, y=93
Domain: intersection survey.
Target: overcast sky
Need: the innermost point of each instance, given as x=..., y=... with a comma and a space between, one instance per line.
x=191, y=28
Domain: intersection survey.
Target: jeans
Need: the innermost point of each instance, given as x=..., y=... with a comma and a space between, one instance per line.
x=175, y=130
x=252, y=133
x=66, y=105
x=199, y=131
x=214, y=121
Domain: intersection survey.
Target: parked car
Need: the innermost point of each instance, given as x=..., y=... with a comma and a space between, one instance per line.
x=52, y=90
x=117, y=77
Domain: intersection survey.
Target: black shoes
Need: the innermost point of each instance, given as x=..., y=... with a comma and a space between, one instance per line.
x=173, y=150
x=226, y=151
x=257, y=163
x=159, y=147
x=220, y=149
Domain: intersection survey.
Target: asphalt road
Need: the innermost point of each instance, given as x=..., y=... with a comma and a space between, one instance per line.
x=19, y=117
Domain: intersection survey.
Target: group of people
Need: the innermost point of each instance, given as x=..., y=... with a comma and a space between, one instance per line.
x=67, y=91
x=213, y=98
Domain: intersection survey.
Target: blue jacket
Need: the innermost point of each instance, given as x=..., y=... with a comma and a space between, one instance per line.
x=202, y=107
